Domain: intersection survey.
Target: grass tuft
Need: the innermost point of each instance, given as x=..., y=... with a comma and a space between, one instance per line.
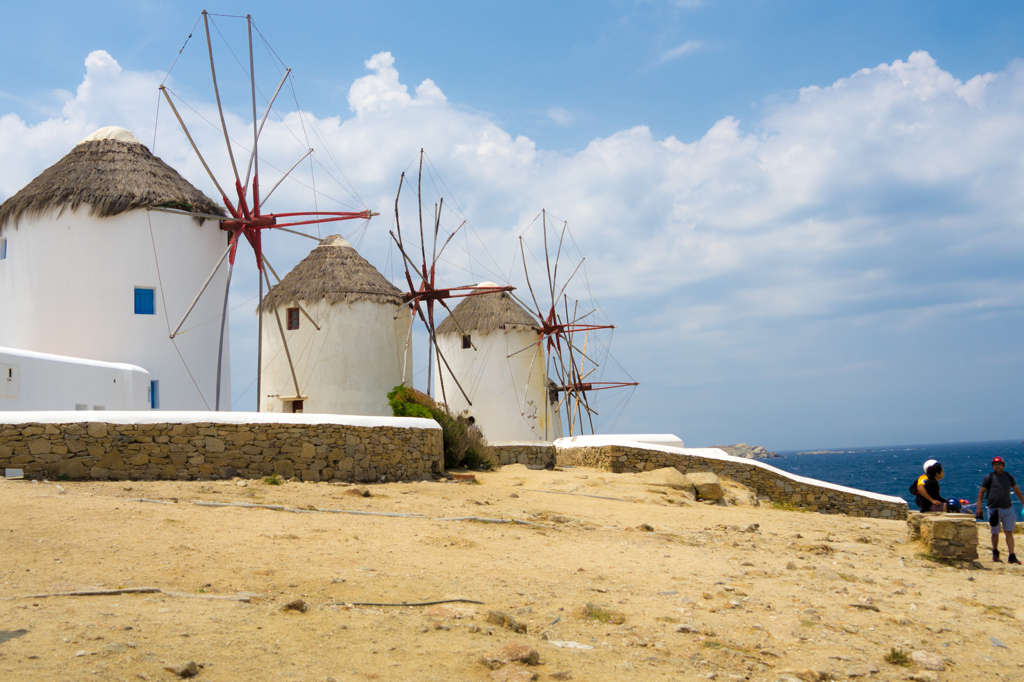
x=273, y=479
x=602, y=614
x=898, y=657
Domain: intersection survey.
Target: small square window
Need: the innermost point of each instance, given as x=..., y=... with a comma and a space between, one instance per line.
x=3, y=248
x=145, y=302
x=293, y=318
x=79, y=407
x=467, y=342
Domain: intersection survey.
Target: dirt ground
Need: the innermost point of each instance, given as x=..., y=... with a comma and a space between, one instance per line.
x=677, y=590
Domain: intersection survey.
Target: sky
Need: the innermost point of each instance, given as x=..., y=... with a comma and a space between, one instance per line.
x=802, y=218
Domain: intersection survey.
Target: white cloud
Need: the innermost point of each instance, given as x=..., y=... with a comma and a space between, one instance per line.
x=902, y=156
x=382, y=92
x=686, y=48
x=562, y=117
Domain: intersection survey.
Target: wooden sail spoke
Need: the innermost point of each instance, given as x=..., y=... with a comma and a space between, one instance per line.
x=220, y=108
x=223, y=326
x=421, y=278
x=284, y=341
x=209, y=279
x=457, y=323
x=266, y=197
x=289, y=293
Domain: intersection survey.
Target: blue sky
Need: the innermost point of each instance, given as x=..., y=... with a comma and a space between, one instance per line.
x=803, y=217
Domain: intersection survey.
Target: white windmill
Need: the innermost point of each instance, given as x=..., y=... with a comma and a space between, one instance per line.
x=246, y=201
x=78, y=276
x=351, y=350
x=508, y=395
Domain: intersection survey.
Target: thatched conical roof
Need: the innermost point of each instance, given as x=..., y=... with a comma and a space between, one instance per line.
x=486, y=312
x=112, y=172
x=333, y=270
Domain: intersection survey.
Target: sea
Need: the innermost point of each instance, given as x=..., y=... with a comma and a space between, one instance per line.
x=890, y=469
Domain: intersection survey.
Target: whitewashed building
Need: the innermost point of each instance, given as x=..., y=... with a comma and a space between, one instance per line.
x=361, y=349
x=87, y=272
x=494, y=353
x=32, y=381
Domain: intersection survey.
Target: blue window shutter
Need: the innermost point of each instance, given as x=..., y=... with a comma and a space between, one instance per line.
x=154, y=395
x=144, y=302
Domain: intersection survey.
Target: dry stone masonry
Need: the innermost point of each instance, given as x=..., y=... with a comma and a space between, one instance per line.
x=768, y=482
x=949, y=536
x=206, y=450
x=530, y=453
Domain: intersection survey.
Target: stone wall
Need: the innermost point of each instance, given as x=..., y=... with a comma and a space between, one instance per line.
x=950, y=536
x=531, y=453
x=206, y=450
x=768, y=482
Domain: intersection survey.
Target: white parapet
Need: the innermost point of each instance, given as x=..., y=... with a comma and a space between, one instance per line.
x=169, y=417
x=666, y=439
x=721, y=456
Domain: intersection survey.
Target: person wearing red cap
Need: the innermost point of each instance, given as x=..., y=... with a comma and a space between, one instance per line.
x=997, y=486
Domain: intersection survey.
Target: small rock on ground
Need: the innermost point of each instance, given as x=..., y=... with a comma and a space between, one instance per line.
x=511, y=653
x=515, y=651
x=928, y=660
x=924, y=676
x=189, y=669
x=866, y=670
x=513, y=674
x=295, y=605
x=506, y=621
x=358, y=492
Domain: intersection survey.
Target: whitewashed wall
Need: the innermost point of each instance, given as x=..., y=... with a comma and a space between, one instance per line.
x=509, y=395
x=347, y=367
x=67, y=287
x=40, y=381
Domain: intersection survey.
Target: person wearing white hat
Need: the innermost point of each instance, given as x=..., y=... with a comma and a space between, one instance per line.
x=916, y=490
x=926, y=490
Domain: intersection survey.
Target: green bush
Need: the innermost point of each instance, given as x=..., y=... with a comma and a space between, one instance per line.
x=463, y=443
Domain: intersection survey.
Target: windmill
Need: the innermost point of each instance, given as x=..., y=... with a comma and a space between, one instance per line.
x=422, y=297
x=248, y=217
x=572, y=360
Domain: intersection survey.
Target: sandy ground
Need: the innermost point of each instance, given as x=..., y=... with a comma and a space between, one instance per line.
x=786, y=599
